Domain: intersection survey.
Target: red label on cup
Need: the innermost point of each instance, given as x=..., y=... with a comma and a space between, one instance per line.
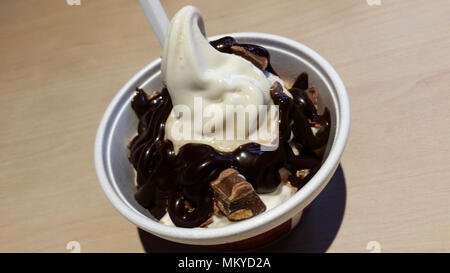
x=258, y=240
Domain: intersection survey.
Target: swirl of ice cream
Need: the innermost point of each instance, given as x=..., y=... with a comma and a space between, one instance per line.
x=193, y=69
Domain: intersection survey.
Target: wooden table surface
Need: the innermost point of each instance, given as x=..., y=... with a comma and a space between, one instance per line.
x=61, y=65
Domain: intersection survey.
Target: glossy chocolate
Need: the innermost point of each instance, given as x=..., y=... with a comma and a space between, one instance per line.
x=180, y=183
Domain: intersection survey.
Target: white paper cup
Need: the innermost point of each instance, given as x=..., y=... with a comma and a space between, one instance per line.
x=119, y=124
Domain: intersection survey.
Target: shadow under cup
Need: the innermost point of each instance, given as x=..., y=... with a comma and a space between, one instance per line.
x=119, y=126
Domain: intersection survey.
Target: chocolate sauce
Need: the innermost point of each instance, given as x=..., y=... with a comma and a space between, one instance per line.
x=180, y=183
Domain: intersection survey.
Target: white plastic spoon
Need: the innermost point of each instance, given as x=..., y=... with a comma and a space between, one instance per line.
x=157, y=17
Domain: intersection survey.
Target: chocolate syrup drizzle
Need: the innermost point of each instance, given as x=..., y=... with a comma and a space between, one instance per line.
x=179, y=183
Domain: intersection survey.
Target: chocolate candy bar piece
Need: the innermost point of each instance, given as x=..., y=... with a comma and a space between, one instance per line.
x=235, y=197
x=257, y=60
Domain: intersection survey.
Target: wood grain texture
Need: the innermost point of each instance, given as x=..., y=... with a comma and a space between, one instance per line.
x=61, y=65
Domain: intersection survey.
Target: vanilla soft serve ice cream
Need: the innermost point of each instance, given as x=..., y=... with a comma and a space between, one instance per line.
x=203, y=80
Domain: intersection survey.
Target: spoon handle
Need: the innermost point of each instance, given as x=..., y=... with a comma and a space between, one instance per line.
x=157, y=17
